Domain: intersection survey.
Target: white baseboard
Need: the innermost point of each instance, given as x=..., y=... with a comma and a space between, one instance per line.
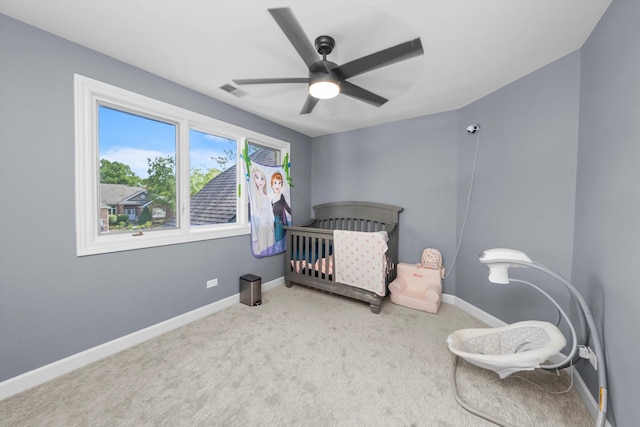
x=60, y=367
x=586, y=396
x=483, y=316
x=584, y=393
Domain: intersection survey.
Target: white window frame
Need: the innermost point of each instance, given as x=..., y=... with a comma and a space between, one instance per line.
x=89, y=94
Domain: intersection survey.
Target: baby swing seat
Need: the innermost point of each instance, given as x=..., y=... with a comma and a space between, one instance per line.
x=525, y=345
x=508, y=349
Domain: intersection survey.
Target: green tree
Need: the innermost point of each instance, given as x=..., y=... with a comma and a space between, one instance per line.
x=161, y=183
x=145, y=216
x=227, y=159
x=118, y=173
x=199, y=179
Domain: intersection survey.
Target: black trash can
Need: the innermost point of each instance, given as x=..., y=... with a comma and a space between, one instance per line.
x=250, y=290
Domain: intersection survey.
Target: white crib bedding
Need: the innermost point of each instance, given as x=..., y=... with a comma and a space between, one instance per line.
x=361, y=259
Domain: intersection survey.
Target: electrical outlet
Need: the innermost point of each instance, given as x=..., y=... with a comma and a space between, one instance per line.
x=583, y=352
x=592, y=358
x=211, y=283
x=586, y=353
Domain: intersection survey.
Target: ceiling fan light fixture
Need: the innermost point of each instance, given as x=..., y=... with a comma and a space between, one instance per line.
x=327, y=79
x=325, y=89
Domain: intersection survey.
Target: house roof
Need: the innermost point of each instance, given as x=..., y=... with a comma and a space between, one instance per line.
x=137, y=199
x=215, y=203
x=113, y=194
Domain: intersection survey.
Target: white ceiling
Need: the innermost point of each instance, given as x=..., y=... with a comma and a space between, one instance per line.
x=472, y=48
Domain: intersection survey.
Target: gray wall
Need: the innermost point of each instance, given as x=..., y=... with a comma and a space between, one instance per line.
x=607, y=226
x=557, y=177
x=524, y=190
x=523, y=194
x=410, y=163
x=52, y=303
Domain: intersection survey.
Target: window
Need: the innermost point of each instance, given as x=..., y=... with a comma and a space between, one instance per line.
x=151, y=174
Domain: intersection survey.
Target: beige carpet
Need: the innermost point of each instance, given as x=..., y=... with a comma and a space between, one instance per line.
x=303, y=358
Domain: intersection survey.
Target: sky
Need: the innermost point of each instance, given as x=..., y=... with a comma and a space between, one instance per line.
x=131, y=139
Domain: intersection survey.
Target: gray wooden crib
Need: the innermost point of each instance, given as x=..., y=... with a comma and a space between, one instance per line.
x=309, y=252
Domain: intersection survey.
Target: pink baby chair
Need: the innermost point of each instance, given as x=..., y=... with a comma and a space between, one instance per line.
x=419, y=286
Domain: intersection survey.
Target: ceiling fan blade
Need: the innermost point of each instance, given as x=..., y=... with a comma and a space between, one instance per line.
x=381, y=58
x=291, y=27
x=309, y=104
x=270, y=81
x=361, y=94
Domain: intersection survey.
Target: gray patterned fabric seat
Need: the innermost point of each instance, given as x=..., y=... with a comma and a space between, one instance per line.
x=508, y=349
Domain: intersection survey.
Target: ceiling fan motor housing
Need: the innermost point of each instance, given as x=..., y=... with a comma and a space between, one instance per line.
x=324, y=45
x=321, y=67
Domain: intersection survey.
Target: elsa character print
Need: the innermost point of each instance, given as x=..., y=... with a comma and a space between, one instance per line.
x=261, y=213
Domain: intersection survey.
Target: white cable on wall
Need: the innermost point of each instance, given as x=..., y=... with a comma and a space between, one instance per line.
x=471, y=129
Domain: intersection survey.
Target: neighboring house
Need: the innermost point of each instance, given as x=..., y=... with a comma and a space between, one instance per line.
x=215, y=203
x=117, y=199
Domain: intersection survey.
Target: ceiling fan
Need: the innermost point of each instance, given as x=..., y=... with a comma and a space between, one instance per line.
x=327, y=79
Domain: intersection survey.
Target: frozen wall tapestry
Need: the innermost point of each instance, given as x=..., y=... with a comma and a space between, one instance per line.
x=269, y=206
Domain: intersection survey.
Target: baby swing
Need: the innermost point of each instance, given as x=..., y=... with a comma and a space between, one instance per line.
x=524, y=345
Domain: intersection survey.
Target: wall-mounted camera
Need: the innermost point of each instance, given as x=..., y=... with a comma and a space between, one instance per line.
x=473, y=128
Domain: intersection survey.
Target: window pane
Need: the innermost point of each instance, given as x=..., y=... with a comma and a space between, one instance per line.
x=213, y=179
x=130, y=153
x=137, y=172
x=264, y=155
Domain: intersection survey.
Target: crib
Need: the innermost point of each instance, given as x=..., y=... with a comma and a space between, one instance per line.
x=309, y=259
